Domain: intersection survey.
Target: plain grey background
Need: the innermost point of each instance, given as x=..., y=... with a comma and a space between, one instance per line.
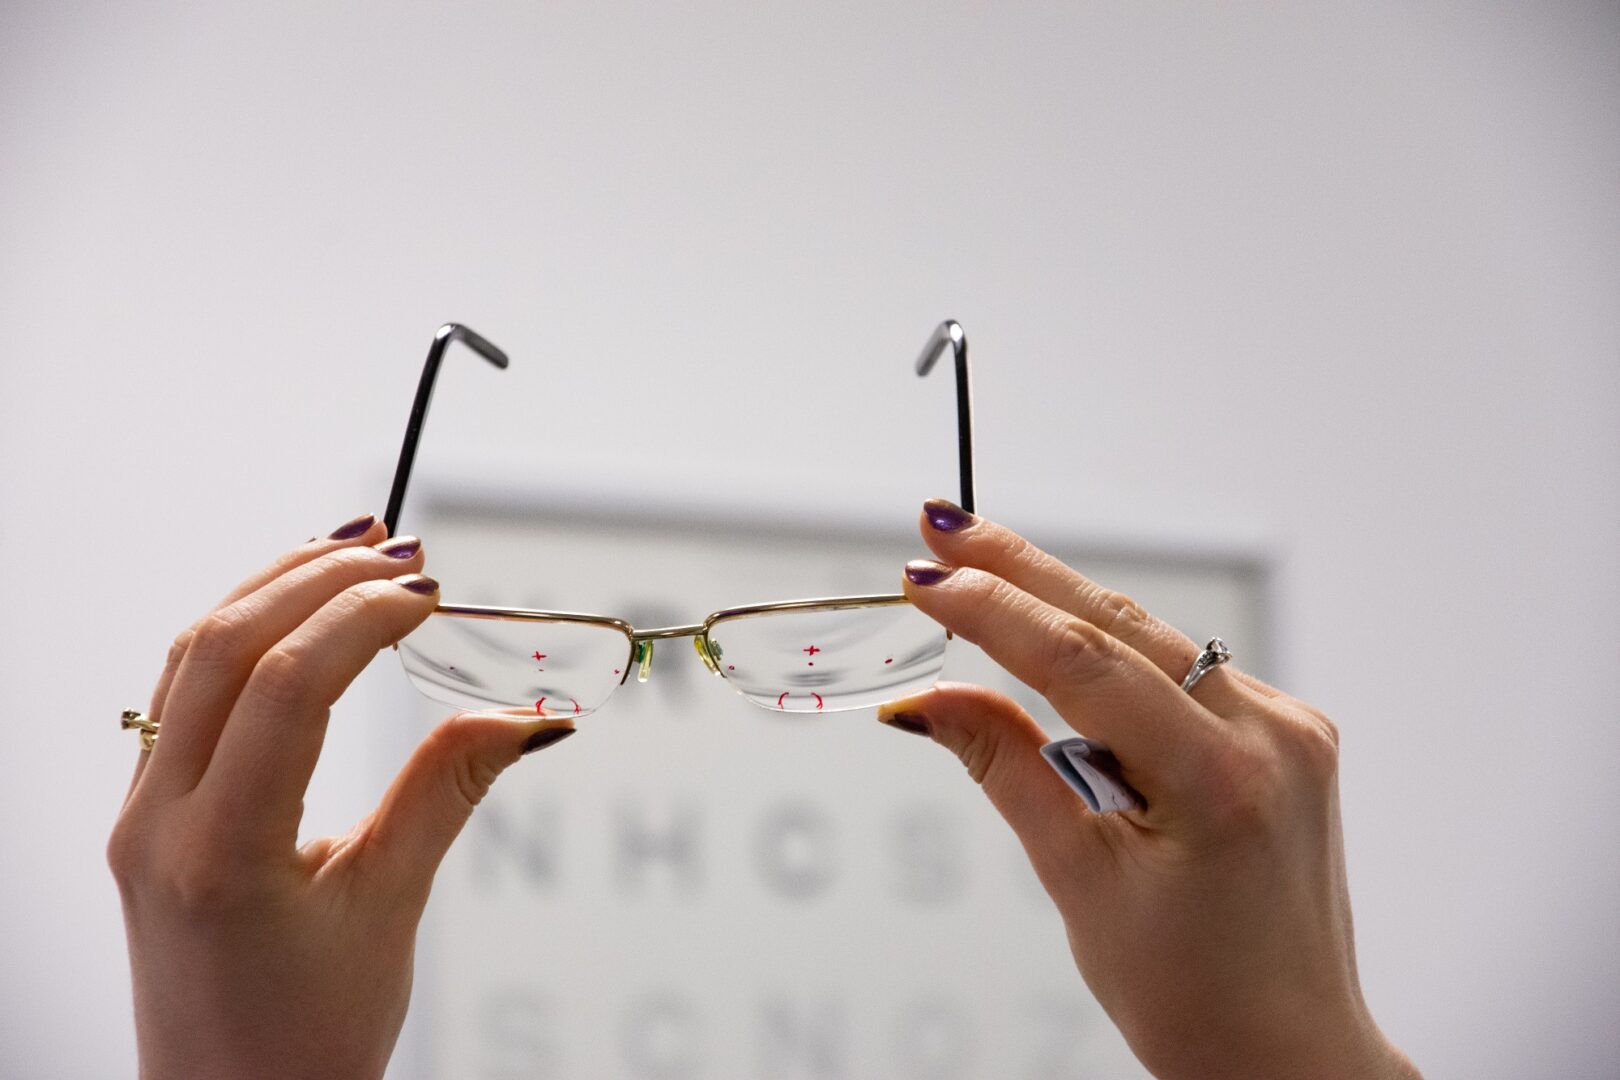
x=1339, y=280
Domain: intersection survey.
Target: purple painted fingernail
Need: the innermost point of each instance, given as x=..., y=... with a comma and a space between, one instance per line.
x=917, y=725
x=544, y=738
x=401, y=547
x=946, y=516
x=925, y=572
x=419, y=583
x=352, y=529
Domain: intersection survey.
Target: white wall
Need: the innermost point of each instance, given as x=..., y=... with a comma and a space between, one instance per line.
x=1341, y=277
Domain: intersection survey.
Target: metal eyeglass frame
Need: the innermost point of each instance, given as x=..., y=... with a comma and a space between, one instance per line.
x=947, y=335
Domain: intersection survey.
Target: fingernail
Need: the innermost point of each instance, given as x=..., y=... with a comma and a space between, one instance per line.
x=352, y=529
x=419, y=583
x=925, y=572
x=544, y=738
x=946, y=516
x=401, y=547
x=905, y=721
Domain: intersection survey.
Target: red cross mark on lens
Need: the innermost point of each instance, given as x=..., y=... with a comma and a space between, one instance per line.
x=811, y=651
x=538, y=655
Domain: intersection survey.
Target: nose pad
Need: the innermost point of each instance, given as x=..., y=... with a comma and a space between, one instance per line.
x=644, y=651
x=703, y=651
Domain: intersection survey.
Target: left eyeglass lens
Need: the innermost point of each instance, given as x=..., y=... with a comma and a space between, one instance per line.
x=828, y=659
x=516, y=667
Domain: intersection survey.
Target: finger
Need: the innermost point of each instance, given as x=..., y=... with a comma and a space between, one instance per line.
x=268, y=749
x=221, y=653
x=363, y=530
x=963, y=539
x=1103, y=688
x=1000, y=745
x=431, y=799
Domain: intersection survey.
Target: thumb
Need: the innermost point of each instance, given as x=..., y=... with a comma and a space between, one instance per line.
x=431, y=799
x=1000, y=744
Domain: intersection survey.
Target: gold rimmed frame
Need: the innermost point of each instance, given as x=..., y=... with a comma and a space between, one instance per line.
x=947, y=336
x=639, y=644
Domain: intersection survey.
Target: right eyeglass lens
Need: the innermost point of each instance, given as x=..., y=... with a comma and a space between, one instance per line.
x=516, y=667
x=828, y=659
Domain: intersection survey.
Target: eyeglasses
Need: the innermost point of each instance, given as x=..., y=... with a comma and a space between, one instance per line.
x=831, y=654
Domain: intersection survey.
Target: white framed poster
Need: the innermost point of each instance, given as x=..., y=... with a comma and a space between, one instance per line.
x=694, y=888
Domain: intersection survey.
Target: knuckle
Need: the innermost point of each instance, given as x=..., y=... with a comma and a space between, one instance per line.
x=469, y=776
x=182, y=643
x=217, y=637
x=126, y=854
x=1080, y=653
x=1311, y=744
x=1118, y=614
x=280, y=678
x=194, y=869
x=206, y=888
x=1247, y=786
x=978, y=753
x=1020, y=555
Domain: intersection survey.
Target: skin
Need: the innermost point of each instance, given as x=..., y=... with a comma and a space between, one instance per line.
x=1214, y=925
x=252, y=956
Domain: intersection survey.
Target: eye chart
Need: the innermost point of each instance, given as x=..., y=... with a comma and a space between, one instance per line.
x=697, y=888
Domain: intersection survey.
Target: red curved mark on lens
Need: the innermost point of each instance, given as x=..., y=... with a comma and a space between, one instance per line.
x=540, y=706
x=817, y=697
x=576, y=706
x=779, y=704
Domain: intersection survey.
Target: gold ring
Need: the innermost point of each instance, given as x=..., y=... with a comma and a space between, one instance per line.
x=132, y=718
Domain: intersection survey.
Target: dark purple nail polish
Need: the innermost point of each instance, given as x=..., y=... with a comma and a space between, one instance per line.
x=946, y=516
x=352, y=529
x=545, y=737
x=905, y=721
x=924, y=572
x=420, y=583
x=401, y=547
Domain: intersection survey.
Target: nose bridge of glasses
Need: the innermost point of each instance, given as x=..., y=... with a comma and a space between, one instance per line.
x=643, y=641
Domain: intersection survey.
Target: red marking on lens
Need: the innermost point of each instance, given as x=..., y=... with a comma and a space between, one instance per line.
x=538, y=655
x=731, y=667
x=811, y=651
x=615, y=671
x=779, y=700
x=817, y=697
x=890, y=660
x=540, y=706
x=576, y=706
x=811, y=664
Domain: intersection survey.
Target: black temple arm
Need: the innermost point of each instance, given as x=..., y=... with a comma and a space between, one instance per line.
x=448, y=333
x=949, y=335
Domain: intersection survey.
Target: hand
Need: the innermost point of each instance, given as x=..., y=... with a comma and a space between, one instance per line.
x=1214, y=924
x=252, y=956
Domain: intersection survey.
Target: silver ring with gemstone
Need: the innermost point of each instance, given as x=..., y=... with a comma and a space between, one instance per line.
x=1214, y=655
